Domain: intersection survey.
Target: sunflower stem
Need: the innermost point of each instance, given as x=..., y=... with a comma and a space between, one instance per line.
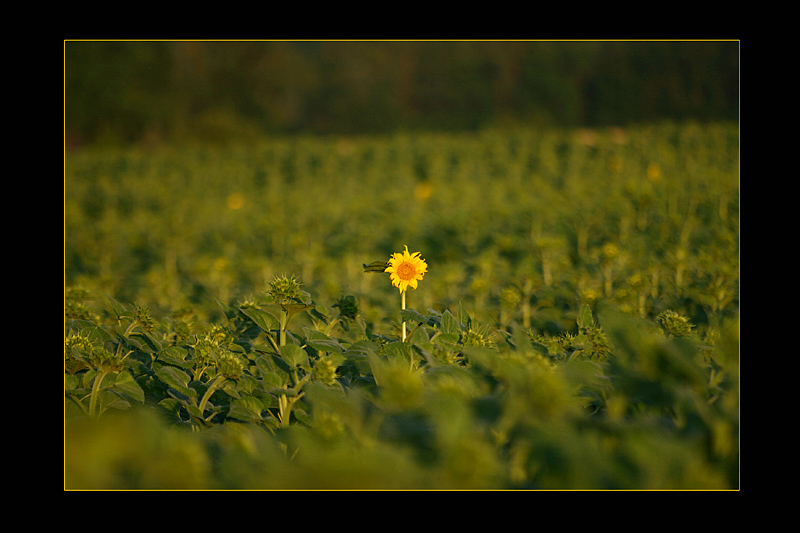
x=98, y=379
x=211, y=388
x=282, y=333
x=403, y=307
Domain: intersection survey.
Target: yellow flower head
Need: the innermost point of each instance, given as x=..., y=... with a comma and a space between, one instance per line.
x=406, y=269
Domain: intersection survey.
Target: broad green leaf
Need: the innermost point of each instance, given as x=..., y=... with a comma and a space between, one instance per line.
x=377, y=366
x=243, y=414
x=295, y=307
x=171, y=405
x=321, y=342
x=294, y=355
x=270, y=372
x=449, y=323
x=539, y=347
x=521, y=340
x=585, y=317
x=272, y=380
x=482, y=356
x=246, y=408
x=263, y=319
x=246, y=383
x=305, y=297
x=446, y=340
x=462, y=316
x=109, y=400
x=126, y=386
x=411, y=315
x=362, y=348
x=95, y=333
x=417, y=334
x=87, y=378
x=175, y=355
x=145, y=342
x=118, y=309
x=71, y=382
x=336, y=359
x=281, y=368
x=194, y=410
x=398, y=349
x=175, y=378
x=230, y=388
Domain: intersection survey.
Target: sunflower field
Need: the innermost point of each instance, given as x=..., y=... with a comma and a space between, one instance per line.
x=520, y=308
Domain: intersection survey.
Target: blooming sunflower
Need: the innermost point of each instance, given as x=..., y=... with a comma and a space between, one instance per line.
x=406, y=269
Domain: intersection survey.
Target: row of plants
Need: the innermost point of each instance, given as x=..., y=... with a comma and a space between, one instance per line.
x=516, y=221
x=251, y=402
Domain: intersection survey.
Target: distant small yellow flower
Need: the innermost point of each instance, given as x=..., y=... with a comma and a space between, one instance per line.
x=406, y=269
x=610, y=250
x=221, y=263
x=235, y=201
x=653, y=172
x=423, y=191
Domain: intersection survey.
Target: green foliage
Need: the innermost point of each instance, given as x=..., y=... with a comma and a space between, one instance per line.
x=227, y=406
x=523, y=225
x=577, y=328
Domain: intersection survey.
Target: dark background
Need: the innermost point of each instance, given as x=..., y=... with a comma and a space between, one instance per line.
x=219, y=91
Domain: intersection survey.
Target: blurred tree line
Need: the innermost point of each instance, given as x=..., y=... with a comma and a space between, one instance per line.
x=125, y=91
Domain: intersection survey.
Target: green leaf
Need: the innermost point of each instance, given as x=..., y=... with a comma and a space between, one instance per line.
x=539, y=347
x=246, y=409
x=118, y=309
x=375, y=266
x=321, y=342
x=294, y=355
x=126, y=386
x=95, y=334
x=145, y=342
x=485, y=357
x=449, y=323
x=462, y=316
x=521, y=341
x=230, y=388
x=263, y=319
x=175, y=378
x=585, y=317
x=268, y=370
x=108, y=400
x=171, y=405
x=362, y=348
x=294, y=308
x=273, y=380
x=398, y=349
x=411, y=315
x=71, y=382
x=176, y=356
x=376, y=366
x=194, y=411
x=447, y=340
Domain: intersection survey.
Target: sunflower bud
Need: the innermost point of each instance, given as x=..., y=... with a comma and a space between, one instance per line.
x=476, y=337
x=143, y=317
x=230, y=366
x=106, y=361
x=325, y=370
x=283, y=289
x=675, y=323
x=348, y=307
x=77, y=340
